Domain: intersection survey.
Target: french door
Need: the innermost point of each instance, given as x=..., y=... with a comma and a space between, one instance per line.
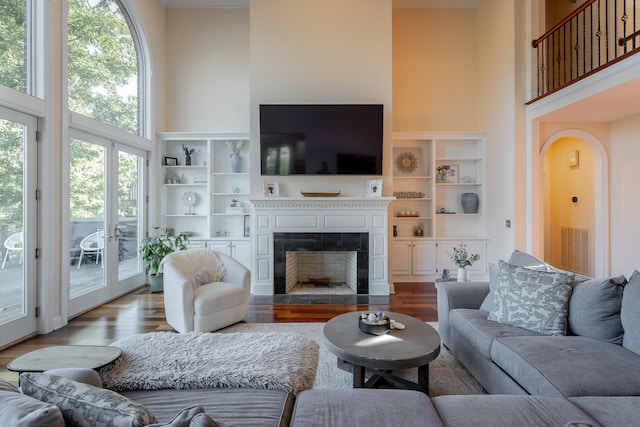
x=106, y=212
x=18, y=225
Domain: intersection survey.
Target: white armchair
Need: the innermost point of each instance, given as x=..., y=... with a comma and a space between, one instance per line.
x=204, y=290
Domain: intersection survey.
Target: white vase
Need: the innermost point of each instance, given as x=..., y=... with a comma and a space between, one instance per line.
x=463, y=275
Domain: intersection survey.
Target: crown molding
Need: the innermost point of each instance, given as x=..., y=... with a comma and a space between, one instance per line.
x=397, y=4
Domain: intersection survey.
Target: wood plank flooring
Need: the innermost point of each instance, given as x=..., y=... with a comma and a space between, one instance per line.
x=143, y=311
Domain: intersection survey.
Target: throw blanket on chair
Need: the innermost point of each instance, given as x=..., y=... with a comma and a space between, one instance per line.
x=195, y=360
x=194, y=260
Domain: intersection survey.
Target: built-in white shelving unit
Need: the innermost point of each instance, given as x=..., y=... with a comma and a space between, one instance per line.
x=431, y=172
x=209, y=197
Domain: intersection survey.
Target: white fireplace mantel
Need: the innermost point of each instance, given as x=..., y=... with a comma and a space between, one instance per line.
x=320, y=215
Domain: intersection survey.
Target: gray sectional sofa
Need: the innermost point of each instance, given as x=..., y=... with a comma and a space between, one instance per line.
x=564, y=351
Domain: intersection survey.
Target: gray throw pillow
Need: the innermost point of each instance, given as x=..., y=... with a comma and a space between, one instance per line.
x=520, y=259
x=199, y=278
x=83, y=404
x=534, y=300
x=594, y=309
x=630, y=314
x=82, y=375
x=19, y=410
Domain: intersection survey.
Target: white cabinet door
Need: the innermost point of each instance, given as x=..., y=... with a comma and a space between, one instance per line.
x=237, y=249
x=401, y=258
x=241, y=251
x=425, y=258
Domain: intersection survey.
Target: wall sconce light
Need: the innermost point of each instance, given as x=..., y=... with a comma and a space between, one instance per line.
x=574, y=159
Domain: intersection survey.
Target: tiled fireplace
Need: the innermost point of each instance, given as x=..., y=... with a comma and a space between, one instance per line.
x=337, y=249
x=355, y=227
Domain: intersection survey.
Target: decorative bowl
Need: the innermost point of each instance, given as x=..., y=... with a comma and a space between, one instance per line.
x=380, y=329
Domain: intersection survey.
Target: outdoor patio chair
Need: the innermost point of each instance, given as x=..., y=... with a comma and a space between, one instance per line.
x=92, y=244
x=13, y=243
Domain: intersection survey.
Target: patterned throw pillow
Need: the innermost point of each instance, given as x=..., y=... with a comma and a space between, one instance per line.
x=533, y=300
x=83, y=404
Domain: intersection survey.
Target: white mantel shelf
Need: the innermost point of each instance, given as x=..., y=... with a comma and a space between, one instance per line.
x=328, y=202
x=320, y=215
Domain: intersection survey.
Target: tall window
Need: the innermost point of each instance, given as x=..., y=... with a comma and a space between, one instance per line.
x=103, y=64
x=13, y=44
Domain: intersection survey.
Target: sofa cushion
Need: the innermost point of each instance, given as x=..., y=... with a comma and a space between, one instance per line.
x=521, y=259
x=566, y=366
x=363, y=408
x=238, y=407
x=83, y=404
x=630, y=315
x=504, y=410
x=610, y=411
x=480, y=332
x=20, y=410
x=594, y=309
x=530, y=299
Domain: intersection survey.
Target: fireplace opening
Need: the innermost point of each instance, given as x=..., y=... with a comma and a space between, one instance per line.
x=329, y=259
x=321, y=272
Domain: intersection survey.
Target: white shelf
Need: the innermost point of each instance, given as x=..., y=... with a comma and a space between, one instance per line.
x=217, y=184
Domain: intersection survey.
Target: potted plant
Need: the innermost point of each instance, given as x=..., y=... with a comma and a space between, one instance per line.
x=462, y=260
x=154, y=248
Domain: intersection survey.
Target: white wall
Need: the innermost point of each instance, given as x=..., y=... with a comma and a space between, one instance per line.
x=207, y=63
x=434, y=70
x=498, y=112
x=320, y=51
x=625, y=196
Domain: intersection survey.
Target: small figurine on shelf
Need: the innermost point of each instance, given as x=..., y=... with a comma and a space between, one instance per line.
x=187, y=154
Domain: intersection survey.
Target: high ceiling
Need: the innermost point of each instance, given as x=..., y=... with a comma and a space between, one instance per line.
x=406, y=4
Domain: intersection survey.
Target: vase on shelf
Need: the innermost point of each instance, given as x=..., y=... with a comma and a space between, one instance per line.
x=187, y=160
x=470, y=203
x=236, y=162
x=463, y=275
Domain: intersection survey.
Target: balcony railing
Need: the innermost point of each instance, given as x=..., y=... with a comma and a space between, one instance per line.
x=596, y=35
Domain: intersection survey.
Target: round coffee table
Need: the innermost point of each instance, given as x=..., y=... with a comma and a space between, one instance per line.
x=65, y=356
x=412, y=347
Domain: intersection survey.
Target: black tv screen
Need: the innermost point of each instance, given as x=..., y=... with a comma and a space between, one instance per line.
x=340, y=139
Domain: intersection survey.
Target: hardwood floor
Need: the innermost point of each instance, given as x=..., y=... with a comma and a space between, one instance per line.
x=143, y=311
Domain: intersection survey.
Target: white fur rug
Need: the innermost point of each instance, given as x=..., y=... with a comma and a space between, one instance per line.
x=446, y=374
x=157, y=360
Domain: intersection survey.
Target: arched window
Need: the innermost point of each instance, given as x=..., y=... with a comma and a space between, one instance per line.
x=104, y=64
x=14, y=45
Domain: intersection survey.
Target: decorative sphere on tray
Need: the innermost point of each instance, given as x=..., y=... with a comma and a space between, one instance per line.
x=374, y=323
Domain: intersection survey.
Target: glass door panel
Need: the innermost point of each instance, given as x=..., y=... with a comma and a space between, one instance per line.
x=17, y=225
x=130, y=215
x=106, y=205
x=87, y=190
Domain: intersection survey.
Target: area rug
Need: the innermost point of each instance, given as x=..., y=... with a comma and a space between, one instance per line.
x=446, y=375
x=157, y=360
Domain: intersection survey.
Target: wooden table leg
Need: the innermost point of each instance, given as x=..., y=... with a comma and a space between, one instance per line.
x=423, y=378
x=358, y=376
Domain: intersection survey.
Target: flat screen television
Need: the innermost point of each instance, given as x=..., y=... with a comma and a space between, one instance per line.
x=321, y=139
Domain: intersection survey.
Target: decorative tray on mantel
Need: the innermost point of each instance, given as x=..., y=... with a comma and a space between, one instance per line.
x=306, y=194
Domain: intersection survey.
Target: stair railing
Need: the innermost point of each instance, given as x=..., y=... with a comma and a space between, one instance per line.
x=596, y=35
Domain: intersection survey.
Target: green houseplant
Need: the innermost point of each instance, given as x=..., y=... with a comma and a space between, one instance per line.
x=154, y=248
